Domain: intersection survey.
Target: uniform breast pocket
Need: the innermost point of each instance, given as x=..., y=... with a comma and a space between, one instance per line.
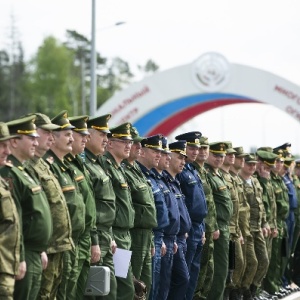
x=7, y=207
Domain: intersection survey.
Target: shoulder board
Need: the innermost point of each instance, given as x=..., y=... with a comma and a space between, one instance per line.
x=37, y=188
x=50, y=160
x=68, y=188
x=78, y=178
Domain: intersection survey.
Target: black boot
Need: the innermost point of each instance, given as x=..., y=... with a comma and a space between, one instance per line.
x=247, y=294
x=253, y=289
x=234, y=294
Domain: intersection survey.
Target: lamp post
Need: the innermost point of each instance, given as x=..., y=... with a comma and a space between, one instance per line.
x=93, y=92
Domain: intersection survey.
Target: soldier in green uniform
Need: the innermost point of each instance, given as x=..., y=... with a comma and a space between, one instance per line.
x=104, y=196
x=9, y=227
x=223, y=203
x=243, y=283
x=61, y=239
x=118, y=148
x=273, y=279
x=235, y=270
x=211, y=227
x=142, y=246
x=32, y=205
x=88, y=245
x=69, y=182
x=259, y=227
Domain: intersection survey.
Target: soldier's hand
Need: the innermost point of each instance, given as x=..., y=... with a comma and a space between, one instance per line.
x=175, y=248
x=163, y=249
x=113, y=246
x=274, y=233
x=216, y=234
x=22, y=270
x=152, y=252
x=203, y=238
x=44, y=259
x=95, y=254
x=242, y=240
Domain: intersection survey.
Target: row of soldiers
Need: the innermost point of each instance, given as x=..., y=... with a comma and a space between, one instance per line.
x=73, y=191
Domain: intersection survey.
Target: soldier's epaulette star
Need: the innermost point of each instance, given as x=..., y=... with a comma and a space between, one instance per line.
x=69, y=158
x=63, y=169
x=50, y=160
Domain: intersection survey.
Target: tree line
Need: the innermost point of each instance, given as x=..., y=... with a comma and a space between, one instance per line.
x=58, y=77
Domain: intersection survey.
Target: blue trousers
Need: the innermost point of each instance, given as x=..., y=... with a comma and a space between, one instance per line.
x=180, y=273
x=156, y=263
x=166, y=269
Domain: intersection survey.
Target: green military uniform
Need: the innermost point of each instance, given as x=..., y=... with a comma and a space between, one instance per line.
x=124, y=219
x=235, y=250
x=34, y=213
x=244, y=224
x=144, y=221
x=105, y=204
x=269, y=199
x=89, y=237
x=207, y=262
x=253, y=192
x=9, y=233
x=69, y=182
x=296, y=181
x=61, y=239
x=272, y=282
x=224, y=211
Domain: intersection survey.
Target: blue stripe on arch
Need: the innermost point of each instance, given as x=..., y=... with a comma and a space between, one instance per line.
x=156, y=116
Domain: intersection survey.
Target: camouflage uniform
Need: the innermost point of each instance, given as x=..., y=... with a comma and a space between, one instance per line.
x=61, y=239
x=9, y=241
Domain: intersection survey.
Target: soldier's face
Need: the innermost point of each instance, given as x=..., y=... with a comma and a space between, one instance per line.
x=249, y=168
x=63, y=141
x=239, y=162
x=229, y=159
x=135, y=151
x=97, y=142
x=79, y=142
x=216, y=161
x=24, y=147
x=203, y=154
x=151, y=157
x=177, y=163
x=4, y=152
x=192, y=153
x=45, y=141
x=164, y=162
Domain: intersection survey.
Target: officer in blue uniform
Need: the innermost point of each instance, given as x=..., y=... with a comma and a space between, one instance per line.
x=172, y=229
x=152, y=147
x=192, y=188
x=180, y=273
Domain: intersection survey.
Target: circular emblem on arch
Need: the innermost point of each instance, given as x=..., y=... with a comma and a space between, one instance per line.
x=211, y=72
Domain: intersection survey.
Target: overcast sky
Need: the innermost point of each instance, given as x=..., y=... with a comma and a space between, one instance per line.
x=259, y=33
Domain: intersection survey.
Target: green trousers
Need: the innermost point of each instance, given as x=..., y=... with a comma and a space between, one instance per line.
x=28, y=287
x=221, y=249
x=7, y=284
x=141, y=260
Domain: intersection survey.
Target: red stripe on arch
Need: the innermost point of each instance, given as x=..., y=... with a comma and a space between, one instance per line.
x=170, y=124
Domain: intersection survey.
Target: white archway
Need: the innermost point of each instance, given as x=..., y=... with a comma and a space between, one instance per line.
x=162, y=102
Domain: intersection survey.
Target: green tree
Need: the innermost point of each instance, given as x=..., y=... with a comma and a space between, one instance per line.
x=53, y=85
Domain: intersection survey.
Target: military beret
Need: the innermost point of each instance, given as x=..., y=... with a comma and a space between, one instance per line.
x=267, y=157
x=43, y=121
x=153, y=142
x=218, y=148
x=192, y=138
x=250, y=158
x=24, y=126
x=4, y=133
x=165, y=145
x=121, y=132
x=178, y=147
x=99, y=123
x=204, y=141
x=62, y=120
x=135, y=135
x=239, y=152
x=79, y=122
